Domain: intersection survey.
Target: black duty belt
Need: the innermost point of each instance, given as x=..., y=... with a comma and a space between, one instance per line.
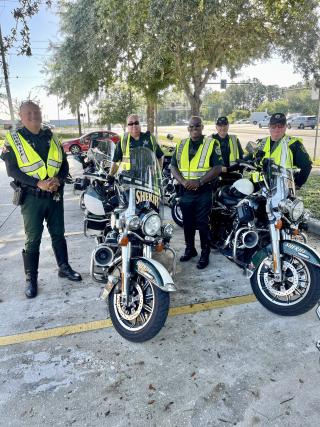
x=38, y=193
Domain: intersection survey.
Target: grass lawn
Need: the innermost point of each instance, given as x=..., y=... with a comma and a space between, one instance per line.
x=310, y=194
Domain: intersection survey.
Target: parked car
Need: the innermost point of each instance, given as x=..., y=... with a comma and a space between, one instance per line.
x=265, y=122
x=302, y=122
x=182, y=122
x=257, y=116
x=82, y=144
x=242, y=121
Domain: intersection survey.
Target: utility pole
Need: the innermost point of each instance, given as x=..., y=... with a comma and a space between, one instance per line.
x=6, y=78
x=317, y=128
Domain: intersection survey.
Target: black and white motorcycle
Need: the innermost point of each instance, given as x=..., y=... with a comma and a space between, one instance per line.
x=131, y=235
x=262, y=230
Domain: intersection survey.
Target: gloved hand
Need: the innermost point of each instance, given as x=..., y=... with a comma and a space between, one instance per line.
x=110, y=179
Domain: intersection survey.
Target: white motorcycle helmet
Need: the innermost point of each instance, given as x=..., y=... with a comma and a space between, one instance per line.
x=243, y=187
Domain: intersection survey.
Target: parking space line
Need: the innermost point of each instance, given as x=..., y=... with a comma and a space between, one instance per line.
x=106, y=323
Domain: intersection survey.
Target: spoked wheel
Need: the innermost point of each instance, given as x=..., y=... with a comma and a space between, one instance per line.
x=298, y=292
x=75, y=149
x=144, y=315
x=176, y=213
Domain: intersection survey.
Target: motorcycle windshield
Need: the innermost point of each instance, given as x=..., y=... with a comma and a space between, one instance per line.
x=145, y=171
x=102, y=152
x=281, y=184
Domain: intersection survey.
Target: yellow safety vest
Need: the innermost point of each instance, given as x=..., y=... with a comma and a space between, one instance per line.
x=200, y=163
x=281, y=157
x=29, y=160
x=234, y=149
x=125, y=147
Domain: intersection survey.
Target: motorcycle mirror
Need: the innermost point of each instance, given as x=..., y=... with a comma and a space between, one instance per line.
x=170, y=136
x=251, y=147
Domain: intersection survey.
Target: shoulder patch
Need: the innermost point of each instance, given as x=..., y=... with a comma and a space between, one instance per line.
x=218, y=150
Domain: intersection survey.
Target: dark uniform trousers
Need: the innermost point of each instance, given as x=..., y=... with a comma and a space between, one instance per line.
x=196, y=208
x=34, y=211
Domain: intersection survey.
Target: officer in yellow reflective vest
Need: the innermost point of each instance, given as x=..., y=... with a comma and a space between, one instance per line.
x=195, y=163
x=286, y=151
x=35, y=160
x=130, y=140
x=231, y=149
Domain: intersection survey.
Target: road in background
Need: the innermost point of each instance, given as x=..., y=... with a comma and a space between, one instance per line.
x=246, y=133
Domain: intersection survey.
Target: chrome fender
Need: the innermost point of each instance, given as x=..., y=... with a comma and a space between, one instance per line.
x=155, y=272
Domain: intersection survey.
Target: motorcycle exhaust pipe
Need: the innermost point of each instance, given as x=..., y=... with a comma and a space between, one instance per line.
x=103, y=255
x=250, y=239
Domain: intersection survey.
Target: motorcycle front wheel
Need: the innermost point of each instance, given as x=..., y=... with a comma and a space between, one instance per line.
x=176, y=213
x=298, y=292
x=145, y=314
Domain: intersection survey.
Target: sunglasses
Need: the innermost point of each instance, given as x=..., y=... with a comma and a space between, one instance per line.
x=136, y=123
x=197, y=126
x=278, y=125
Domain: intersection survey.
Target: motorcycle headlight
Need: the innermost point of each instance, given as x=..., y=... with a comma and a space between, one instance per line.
x=296, y=209
x=168, y=230
x=134, y=222
x=151, y=224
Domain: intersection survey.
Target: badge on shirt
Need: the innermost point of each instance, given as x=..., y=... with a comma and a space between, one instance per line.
x=218, y=150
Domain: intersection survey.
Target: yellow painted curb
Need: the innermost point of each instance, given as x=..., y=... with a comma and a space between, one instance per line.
x=102, y=324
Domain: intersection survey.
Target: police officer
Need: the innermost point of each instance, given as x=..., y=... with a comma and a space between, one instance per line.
x=196, y=161
x=35, y=160
x=287, y=151
x=231, y=149
x=130, y=140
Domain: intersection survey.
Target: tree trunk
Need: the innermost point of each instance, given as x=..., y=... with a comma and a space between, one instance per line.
x=195, y=103
x=79, y=120
x=88, y=114
x=150, y=116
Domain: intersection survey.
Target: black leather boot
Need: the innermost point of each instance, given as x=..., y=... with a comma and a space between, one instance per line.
x=31, y=264
x=189, y=253
x=65, y=270
x=204, y=258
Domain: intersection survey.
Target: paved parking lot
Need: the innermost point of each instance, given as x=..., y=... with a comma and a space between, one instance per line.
x=221, y=358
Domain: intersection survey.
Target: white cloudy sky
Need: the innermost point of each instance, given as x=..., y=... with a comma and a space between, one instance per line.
x=26, y=76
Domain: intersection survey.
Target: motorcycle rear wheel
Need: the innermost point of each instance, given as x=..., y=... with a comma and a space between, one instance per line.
x=147, y=312
x=298, y=292
x=176, y=213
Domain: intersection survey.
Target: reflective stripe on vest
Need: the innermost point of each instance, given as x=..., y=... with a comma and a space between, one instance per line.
x=281, y=153
x=200, y=163
x=234, y=149
x=29, y=160
x=125, y=147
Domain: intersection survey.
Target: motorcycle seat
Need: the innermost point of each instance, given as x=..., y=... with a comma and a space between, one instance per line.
x=226, y=197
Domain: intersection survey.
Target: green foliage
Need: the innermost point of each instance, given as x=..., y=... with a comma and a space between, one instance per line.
x=280, y=105
x=310, y=193
x=238, y=114
x=119, y=102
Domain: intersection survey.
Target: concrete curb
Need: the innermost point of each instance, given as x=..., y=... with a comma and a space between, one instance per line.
x=314, y=226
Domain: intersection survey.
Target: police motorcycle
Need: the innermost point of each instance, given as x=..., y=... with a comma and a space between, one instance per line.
x=96, y=165
x=262, y=232
x=137, y=285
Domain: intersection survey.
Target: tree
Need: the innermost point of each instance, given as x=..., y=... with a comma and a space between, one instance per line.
x=207, y=36
x=119, y=102
x=25, y=10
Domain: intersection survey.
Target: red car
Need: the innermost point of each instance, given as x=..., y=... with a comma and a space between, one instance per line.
x=83, y=143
